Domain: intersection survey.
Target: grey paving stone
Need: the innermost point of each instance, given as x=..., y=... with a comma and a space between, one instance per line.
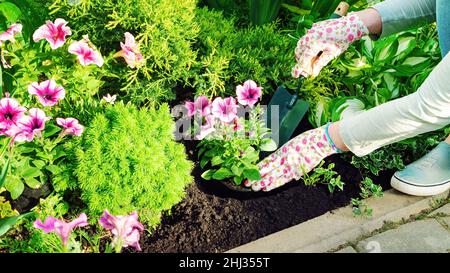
x=446, y=220
x=348, y=249
x=426, y=236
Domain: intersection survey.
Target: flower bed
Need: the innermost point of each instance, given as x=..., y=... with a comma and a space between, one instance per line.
x=89, y=158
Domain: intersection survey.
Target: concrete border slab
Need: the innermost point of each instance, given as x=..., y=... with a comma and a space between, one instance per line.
x=339, y=227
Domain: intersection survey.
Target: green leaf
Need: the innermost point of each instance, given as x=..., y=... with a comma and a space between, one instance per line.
x=252, y=174
x=208, y=174
x=51, y=130
x=31, y=172
x=10, y=11
x=15, y=186
x=217, y=160
x=32, y=183
x=204, y=161
x=268, y=145
x=39, y=163
x=222, y=173
x=7, y=223
x=238, y=180
x=53, y=169
x=4, y=172
x=236, y=170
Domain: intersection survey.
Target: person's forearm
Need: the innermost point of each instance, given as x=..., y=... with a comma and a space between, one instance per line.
x=371, y=19
x=401, y=15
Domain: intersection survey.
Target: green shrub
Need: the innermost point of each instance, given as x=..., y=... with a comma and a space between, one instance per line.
x=128, y=161
x=229, y=55
x=165, y=30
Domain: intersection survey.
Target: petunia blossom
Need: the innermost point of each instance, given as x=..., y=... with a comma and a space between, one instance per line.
x=10, y=112
x=85, y=53
x=237, y=125
x=55, y=33
x=29, y=126
x=249, y=93
x=208, y=128
x=131, y=52
x=201, y=106
x=10, y=33
x=60, y=227
x=47, y=92
x=224, y=109
x=70, y=126
x=125, y=229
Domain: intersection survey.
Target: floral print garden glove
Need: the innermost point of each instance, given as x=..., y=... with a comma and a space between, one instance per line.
x=325, y=41
x=297, y=157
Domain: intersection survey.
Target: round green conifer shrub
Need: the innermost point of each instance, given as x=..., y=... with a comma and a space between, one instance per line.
x=127, y=160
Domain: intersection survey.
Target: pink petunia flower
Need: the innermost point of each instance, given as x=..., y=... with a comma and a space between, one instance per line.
x=9, y=34
x=208, y=128
x=60, y=227
x=126, y=229
x=131, y=52
x=29, y=126
x=237, y=126
x=249, y=93
x=86, y=54
x=224, y=109
x=55, y=33
x=48, y=92
x=201, y=106
x=10, y=112
x=71, y=126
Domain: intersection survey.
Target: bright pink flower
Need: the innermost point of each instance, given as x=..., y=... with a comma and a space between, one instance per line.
x=48, y=92
x=70, y=126
x=249, y=93
x=131, y=52
x=60, y=227
x=224, y=109
x=9, y=34
x=208, y=128
x=54, y=33
x=29, y=126
x=86, y=54
x=10, y=112
x=126, y=229
x=201, y=105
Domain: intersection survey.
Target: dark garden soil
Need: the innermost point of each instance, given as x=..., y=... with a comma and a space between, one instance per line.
x=213, y=218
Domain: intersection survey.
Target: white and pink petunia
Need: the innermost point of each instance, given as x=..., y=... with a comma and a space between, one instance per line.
x=47, y=92
x=207, y=128
x=60, y=227
x=29, y=126
x=55, y=33
x=201, y=106
x=225, y=109
x=71, y=126
x=125, y=229
x=10, y=33
x=10, y=112
x=249, y=93
x=85, y=53
x=131, y=52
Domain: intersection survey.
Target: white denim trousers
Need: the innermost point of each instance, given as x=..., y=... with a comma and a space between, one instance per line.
x=428, y=109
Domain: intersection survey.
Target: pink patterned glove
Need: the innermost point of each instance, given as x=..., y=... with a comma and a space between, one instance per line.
x=325, y=41
x=298, y=156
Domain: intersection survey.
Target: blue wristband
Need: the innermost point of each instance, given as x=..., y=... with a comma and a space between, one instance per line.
x=330, y=140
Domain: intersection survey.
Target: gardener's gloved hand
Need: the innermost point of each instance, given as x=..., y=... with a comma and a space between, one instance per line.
x=295, y=158
x=325, y=41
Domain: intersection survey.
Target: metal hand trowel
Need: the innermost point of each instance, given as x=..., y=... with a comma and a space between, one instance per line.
x=286, y=110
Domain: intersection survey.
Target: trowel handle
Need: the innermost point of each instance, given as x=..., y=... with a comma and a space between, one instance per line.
x=340, y=11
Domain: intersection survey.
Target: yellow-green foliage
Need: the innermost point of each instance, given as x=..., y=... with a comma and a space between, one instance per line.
x=5, y=207
x=128, y=161
x=229, y=55
x=164, y=28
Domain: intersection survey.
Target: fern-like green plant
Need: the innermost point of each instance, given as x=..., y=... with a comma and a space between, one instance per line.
x=229, y=54
x=165, y=30
x=128, y=161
